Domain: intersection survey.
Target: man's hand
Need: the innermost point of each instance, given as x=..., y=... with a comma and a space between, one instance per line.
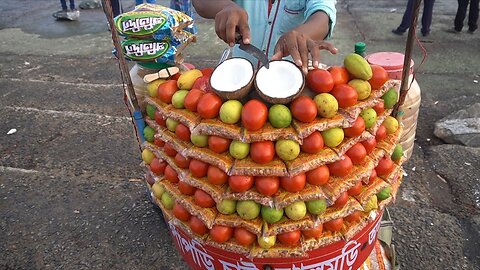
x=297, y=45
x=230, y=20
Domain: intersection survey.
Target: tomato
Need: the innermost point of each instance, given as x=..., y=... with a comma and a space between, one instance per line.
x=379, y=77
x=345, y=94
x=353, y=217
x=192, y=99
x=176, y=76
x=372, y=177
x=181, y=213
x=209, y=105
x=182, y=132
x=342, y=167
x=319, y=80
x=244, y=237
x=166, y=90
x=181, y=161
x=304, y=109
x=339, y=75
x=157, y=166
x=240, y=183
x=170, y=174
x=293, y=183
x=370, y=144
x=385, y=166
x=203, y=199
x=198, y=168
x=207, y=71
x=158, y=142
x=159, y=119
x=341, y=200
x=169, y=150
x=220, y=233
x=218, y=144
x=202, y=83
x=267, y=185
x=197, y=226
x=262, y=152
x=357, y=153
x=318, y=176
x=254, y=115
x=355, y=190
x=313, y=143
x=216, y=176
x=334, y=225
x=356, y=130
x=381, y=133
x=314, y=233
x=186, y=189
x=379, y=107
x=289, y=238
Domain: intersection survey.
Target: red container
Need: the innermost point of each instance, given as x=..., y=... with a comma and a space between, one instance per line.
x=349, y=254
x=392, y=62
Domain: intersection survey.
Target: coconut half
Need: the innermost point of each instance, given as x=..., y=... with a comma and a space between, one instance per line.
x=282, y=82
x=233, y=78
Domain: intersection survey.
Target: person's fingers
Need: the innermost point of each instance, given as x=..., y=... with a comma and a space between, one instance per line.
x=292, y=48
x=314, y=52
x=220, y=27
x=278, y=51
x=230, y=29
x=325, y=45
x=303, y=50
x=277, y=55
x=244, y=31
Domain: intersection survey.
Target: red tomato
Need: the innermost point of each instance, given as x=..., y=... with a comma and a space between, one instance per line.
x=379, y=77
x=202, y=83
x=304, y=109
x=372, y=177
x=355, y=190
x=209, y=105
x=370, y=144
x=220, y=233
x=313, y=143
x=197, y=226
x=254, y=115
x=244, y=237
x=181, y=213
x=267, y=185
x=262, y=152
x=203, y=199
x=355, y=130
x=157, y=166
x=357, y=153
x=158, y=142
x=181, y=161
x=166, y=90
x=385, y=166
x=198, y=168
x=379, y=107
x=319, y=80
x=218, y=144
x=207, y=71
x=216, y=176
x=289, y=238
x=339, y=75
x=293, y=183
x=182, y=132
x=334, y=225
x=192, y=99
x=341, y=200
x=186, y=189
x=342, y=167
x=159, y=119
x=170, y=174
x=345, y=94
x=169, y=150
x=318, y=176
x=240, y=183
x=353, y=217
x=314, y=233
x=381, y=133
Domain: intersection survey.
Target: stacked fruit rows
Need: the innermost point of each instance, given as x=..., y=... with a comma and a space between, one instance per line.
x=278, y=181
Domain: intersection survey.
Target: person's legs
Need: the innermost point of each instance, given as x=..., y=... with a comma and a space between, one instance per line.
x=407, y=17
x=138, y=2
x=64, y=4
x=473, y=16
x=151, y=1
x=72, y=4
x=461, y=12
x=427, y=16
x=116, y=10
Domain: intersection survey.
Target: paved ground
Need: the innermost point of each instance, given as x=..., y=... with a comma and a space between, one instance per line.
x=69, y=195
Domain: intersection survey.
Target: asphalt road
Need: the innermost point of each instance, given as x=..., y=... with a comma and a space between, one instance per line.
x=70, y=195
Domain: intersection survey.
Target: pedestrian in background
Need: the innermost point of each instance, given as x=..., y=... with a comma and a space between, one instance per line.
x=184, y=6
x=462, y=12
x=66, y=14
x=407, y=18
x=139, y=2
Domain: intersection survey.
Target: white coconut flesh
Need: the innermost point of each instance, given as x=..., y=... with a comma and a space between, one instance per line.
x=232, y=75
x=281, y=80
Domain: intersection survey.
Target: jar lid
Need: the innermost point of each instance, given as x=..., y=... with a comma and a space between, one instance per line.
x=360, y=47
x=388, y=60
x=153, y=65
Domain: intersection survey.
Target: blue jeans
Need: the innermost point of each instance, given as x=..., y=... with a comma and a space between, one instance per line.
x=138, y=2
x=64, y=4
x=426, y=16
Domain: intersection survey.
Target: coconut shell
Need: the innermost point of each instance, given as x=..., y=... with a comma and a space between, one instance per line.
x=238, y=94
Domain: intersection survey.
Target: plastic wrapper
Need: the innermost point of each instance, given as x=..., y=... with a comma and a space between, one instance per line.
x=247, y=166
x=234, y=220
x=337, y=185
x=327, y=238
x=352, y=228
x=251, y=194
x=278, y=251
x=372, y=100
x=230, y=245
x=161, y=106
x=146, y=50
x=223, y=161
x=334, y=212
x=215, y=191
x=179, y=145
x=287, y=225
x=306, y=162
x=218, y=128
x=371, y=190
x=380, y=119
x=158, y=129
x=320, y=124
x=269, y=133
x=309, y=193
x=206, y=215
x=186, y=117
x=388, y=144
x=347, y=143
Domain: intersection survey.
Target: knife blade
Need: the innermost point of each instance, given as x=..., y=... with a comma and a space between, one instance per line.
x=255, y=52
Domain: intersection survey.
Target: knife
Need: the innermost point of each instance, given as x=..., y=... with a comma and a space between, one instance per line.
x=252, y=50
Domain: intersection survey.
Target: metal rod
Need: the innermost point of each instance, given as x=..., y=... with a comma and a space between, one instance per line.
x=408, y=57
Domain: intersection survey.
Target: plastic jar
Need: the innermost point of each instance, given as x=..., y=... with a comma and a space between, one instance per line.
x=392, y=62
x=137, y=72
